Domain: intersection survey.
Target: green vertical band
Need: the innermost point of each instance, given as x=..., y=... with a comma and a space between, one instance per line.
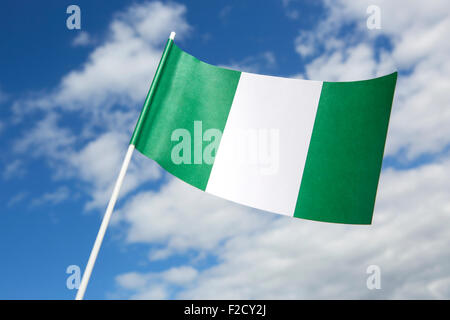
x=345, y=154
x=151, y=92
x=192, y=97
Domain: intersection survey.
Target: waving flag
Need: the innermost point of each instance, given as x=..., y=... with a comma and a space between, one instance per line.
x=329, y=137
x=307, y=149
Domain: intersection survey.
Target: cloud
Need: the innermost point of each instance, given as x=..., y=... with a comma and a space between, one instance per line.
x=357, y=62
x=288, y=10
x=225, y=12
x=47, y=138
x=153, y=217
x=255, y=64
x=82, y=39
x=55, y=197
x=99, y=163
x=14, y=169
x=157, y=285
x=119, y=70
x=263, y=256
x=415, y=31
x=17, y=198
x=101, y=100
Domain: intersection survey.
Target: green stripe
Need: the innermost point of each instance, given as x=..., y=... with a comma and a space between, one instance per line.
x=151, y=92
x=186, y=91
x=344, y=158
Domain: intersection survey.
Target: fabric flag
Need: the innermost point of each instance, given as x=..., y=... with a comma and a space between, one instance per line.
x=308, y=149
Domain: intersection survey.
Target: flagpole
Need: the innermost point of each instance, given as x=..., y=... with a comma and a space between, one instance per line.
x=106, y=218
x=104, y=225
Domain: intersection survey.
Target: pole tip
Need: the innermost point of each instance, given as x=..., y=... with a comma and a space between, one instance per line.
x=172, y=35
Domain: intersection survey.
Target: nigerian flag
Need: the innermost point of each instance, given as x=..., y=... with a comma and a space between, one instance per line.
x=307, y=149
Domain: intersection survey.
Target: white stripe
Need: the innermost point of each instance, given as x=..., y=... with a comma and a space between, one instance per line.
x=268, y=113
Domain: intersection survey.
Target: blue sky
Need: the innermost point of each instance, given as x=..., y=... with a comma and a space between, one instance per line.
x=69, y=100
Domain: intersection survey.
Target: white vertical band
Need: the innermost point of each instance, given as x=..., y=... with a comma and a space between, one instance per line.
x=272, y=119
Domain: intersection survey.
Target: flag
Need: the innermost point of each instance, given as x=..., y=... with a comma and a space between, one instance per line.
x=307, y=149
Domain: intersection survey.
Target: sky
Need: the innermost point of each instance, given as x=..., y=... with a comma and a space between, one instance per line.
x=69, y=100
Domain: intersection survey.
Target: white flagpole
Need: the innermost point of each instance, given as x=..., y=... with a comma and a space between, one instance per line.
x=106, y=218
x=104, y=225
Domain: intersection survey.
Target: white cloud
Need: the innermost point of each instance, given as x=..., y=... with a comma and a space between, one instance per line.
x=415, y=30
x=292, y=14
x=264, y=257
x=157, y=285
x=55, y=197
x=14, y=169
x=354, y=63
x=180, y=276
x=17, y=198
x=256, y=63
x=155, y=217
x=99, y=163
x=289, y=11
x=225, y=12
x=304, y=44
x=83, y=38
x=104, y=96
x=119, y=70
x=47, y=138
x=132, y=280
